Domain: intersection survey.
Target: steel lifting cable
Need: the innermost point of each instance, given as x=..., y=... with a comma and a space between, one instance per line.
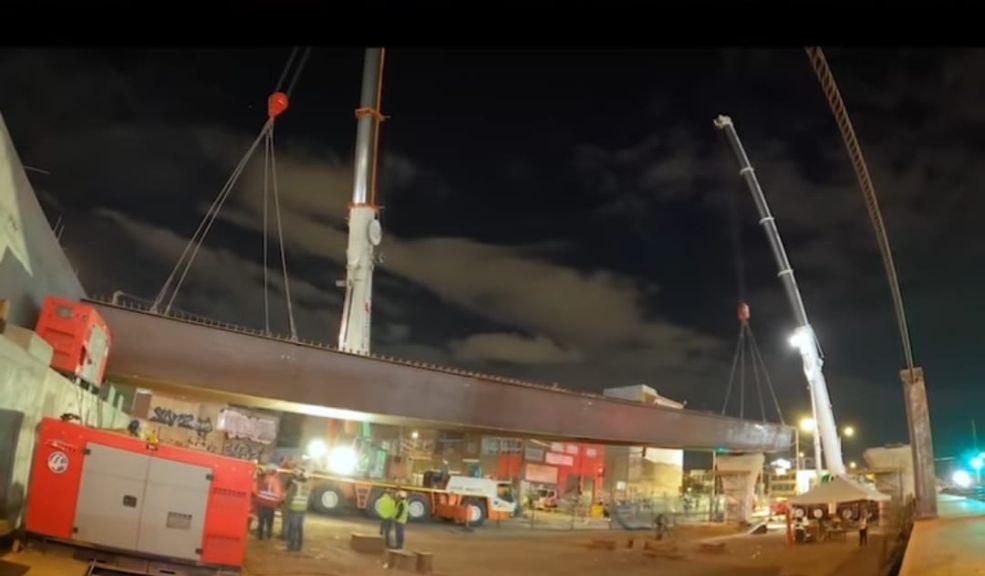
x=742, y=375
x=766, y=375
x=277, y=104
x=280, y=238
x=735, y=365
x=738, y=360
x=191, y=248
x=746, y=344
x=270, y=171
x=266, y=167
x=755, y=377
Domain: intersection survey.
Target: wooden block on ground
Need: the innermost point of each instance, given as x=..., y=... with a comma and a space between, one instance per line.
x=401, y=559
x=666, y=554
x=711, y=547
x=602, y=543
x=425, y=562
x=366, y=543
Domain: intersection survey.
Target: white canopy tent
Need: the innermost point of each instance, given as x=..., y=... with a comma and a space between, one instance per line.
x=838, y=490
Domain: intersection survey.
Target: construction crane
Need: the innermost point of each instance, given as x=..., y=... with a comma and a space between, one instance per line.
x=803, y=337
x=914, y=388
x=365, y=232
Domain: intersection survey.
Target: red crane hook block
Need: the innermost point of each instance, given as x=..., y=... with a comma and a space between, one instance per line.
x=276, y=104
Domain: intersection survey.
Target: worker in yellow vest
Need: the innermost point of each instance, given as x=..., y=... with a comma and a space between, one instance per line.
x=400, y=516
x=297, y=505
x=386, y=507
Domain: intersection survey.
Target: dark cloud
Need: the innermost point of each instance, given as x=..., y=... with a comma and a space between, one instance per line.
x=584, y=243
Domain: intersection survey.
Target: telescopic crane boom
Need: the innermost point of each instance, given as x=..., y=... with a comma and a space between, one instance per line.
x=803, y=337
x=365, y=232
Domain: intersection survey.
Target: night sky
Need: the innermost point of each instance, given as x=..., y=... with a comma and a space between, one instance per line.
x=561, y=216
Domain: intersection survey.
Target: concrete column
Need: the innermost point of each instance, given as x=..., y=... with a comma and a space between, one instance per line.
x=918, y=415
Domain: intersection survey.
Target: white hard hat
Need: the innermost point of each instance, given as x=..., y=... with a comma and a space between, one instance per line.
x=401, y=494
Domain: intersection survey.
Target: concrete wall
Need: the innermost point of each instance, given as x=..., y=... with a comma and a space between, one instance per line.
x=32, y=263
x=629, y=473
x=29, y=386
x=635, y=472
x=191, y=423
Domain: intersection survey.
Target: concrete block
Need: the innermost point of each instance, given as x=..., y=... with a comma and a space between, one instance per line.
x=665, y=554
x=366, y=543
x=602, y=544
x=401, y=560
x=30, y=342
x=711, y=547
x=425, y=563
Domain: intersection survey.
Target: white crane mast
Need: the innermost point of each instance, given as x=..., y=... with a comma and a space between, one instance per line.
x=365, y=232
x=804, y=339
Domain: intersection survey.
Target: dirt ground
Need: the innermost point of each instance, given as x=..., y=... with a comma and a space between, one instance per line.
x=552, y=549
x=513, y=548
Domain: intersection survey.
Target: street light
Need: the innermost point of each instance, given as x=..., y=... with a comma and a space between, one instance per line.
x=807, y=425
x=848, y=431
x=852, y=465
x=961, y=479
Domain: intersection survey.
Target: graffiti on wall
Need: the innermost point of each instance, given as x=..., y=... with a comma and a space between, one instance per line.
x=244, y=449
x=243, y=424
x=202, y=426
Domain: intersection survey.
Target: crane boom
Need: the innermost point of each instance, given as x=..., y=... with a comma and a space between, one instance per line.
x=804, y=339
x=365, y=232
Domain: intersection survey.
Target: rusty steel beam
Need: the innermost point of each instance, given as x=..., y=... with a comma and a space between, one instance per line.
x=212, y=361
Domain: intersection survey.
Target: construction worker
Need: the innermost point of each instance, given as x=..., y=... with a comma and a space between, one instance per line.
x=297, y=505
x=400, y=516
x=863, y=528
x=386, y=507
x=257, y=474
x=268, y=496
x=286, y=463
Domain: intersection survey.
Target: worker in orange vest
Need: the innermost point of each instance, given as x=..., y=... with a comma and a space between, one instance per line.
x=268, y=495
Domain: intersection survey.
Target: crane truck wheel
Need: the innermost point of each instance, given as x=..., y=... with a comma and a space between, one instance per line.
x=327, y=499
x=418, y=507
x=475, y=511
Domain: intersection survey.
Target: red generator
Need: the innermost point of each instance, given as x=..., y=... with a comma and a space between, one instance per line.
x=103, y=489
x=79, y=338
